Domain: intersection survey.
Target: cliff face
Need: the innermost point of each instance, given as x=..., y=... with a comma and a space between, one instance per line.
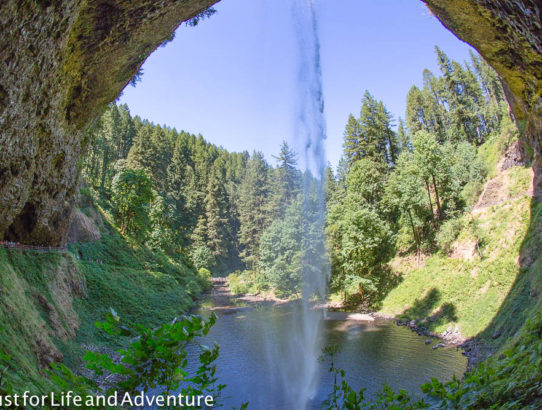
x=508, y=33
x=64, y=61
x=61, y=63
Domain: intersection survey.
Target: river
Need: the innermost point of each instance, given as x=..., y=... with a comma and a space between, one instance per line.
x=371, y=353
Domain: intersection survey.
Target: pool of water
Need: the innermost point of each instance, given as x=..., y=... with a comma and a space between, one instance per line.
x=371, y=353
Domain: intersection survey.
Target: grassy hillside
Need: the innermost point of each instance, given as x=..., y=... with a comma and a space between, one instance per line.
x=467, y=285
x=487, y=280
x=50, y=301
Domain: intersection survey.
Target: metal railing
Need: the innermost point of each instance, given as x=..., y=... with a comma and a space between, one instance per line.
x=20, y=246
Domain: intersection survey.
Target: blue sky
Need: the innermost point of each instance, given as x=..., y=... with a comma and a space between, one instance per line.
x=232, y=77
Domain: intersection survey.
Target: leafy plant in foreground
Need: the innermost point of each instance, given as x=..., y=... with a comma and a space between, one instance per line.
x=344, y=396
x=154, y=362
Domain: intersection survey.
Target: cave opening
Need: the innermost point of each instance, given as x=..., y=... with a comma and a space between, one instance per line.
x=23, y=225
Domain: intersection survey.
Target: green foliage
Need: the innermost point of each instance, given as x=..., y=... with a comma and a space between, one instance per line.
x=448, y=233
x=496, y=145
x=286, y=181
x=146, y=285
x=161, y=235
x=408, y=191
x=5, y=384
x=202, y=257
x=510, y=380
x=240, y=282
x=64, y=380
x=405, y=192
x=366, y=241
x=155, y=360
x=468, y=288
x=361, y=238
x=344, y=396
x=471, y=192
x=132, y=194
x=253, y=216
x=371, y=136
x=204, y=274
x=194, y=21
x=282, y=251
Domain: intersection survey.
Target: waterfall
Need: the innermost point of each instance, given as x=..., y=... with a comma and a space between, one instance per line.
x=296, y=362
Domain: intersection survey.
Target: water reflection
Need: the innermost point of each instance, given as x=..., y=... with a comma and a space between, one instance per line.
x=371, y=353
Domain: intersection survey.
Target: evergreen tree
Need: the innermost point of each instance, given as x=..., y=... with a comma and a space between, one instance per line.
x=217, y=209
x=415, y=111
x=254, y=191
x=286, y=181
x=403, y=139
x=177, y=180
x=386, y=133
x=132, y=196
x=142, y=154
x=164, y=148
x=366, y=184
x=281, y=252
x=371, y=135
x=127, y=132
x=373, y=130
x=110, y=132
x=352, y=140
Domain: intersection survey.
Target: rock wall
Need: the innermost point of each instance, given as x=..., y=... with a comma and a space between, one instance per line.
x=508, y=34
x=63, y=61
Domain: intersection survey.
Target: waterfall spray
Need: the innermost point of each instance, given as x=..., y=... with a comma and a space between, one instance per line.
x=296, y=363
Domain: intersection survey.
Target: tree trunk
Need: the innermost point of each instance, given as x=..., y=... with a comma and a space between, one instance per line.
x=430, y=202
x=436, y=194
x=414, y=231
x=105, y=160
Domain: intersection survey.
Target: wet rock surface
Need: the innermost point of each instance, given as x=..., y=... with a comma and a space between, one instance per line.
x=64, y=61
x=474, y=349
x=508, y=34
x=61, y=63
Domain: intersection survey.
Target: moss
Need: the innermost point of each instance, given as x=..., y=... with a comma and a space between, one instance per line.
x=504, y=32
x=39, y=319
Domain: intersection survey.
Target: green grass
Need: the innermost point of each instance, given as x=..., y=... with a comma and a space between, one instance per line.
x=511, y=378
x=492, y=150
x=511, y=306
x=50, y=301
x=468, y=290
x=24, y=331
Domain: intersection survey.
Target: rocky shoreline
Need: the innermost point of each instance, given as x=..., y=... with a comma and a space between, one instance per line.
x=224, y=302
x=473, y=349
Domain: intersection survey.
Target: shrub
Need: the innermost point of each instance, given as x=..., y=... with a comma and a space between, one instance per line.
x=202, y=257
x=448, y=233
x=471, y=192
x=238, y=283
x=156, y=360
x=204, y=273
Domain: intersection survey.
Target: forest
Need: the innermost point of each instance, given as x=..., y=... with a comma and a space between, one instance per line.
x=404, y=189
x=175, y=210
x=400, y=187
x=141, y=261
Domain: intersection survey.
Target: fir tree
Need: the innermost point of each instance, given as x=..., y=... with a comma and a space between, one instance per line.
x=254, y=191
